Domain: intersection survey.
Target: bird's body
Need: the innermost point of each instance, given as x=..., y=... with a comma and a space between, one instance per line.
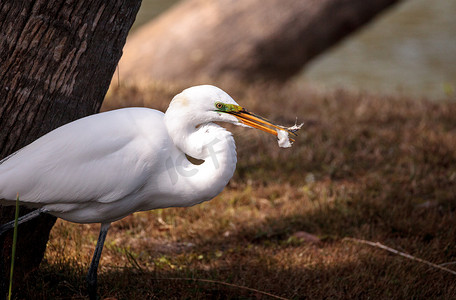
x=101, y=168
x=79, y=169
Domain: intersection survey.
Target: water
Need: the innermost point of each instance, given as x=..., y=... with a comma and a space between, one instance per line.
x=408, y=50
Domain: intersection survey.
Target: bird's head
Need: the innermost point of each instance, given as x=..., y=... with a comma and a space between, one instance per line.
x=206, y=103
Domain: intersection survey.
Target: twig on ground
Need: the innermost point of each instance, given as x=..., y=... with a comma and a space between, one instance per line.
x=403, y=254
x=227, y=284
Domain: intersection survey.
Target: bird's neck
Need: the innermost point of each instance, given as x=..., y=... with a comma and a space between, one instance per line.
x=210, y=143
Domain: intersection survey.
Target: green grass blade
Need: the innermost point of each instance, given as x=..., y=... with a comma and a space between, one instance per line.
x=13, y=253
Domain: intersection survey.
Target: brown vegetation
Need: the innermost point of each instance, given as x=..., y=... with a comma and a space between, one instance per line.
x=364, y=166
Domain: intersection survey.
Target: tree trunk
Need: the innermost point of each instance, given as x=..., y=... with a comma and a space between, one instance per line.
x=57, y=58
x=242, y=40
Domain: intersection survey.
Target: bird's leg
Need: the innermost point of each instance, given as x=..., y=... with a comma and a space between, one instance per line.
x=30, y=216
x=92, y=274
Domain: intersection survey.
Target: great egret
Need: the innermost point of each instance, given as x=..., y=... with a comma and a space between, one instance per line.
x=103, y=167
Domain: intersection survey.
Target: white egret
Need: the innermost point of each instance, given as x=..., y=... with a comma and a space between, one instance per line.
x=103, y=167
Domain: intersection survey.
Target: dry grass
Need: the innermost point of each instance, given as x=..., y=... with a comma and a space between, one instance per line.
x=364, y=166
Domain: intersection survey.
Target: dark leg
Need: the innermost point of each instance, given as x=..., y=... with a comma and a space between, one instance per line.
x=31, y=215
x=92, y=274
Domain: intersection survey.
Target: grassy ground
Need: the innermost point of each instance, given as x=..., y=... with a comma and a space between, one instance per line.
x=364, y=166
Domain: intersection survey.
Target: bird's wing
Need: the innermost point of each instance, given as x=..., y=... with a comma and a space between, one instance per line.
x=100, y=158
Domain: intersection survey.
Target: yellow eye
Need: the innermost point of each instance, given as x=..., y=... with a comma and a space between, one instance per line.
x=219, y=105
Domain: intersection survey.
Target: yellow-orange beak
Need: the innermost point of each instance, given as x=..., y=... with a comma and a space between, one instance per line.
x=259, y=122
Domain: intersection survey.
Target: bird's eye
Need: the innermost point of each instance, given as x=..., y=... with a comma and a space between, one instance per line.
x=219, y=105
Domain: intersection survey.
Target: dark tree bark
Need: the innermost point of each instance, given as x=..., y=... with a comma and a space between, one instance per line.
x=242, y=40
x=57, y=58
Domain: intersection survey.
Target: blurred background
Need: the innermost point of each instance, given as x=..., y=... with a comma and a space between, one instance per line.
x=408, y=50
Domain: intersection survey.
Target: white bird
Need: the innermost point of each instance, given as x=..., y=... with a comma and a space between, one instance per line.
x=103, y=167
